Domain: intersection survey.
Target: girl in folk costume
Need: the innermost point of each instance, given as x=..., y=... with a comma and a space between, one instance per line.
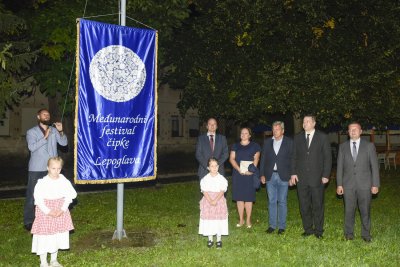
x=53, y=194
x=213, y=208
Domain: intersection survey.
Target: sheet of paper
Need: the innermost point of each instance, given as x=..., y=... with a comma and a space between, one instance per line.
x=244, y=165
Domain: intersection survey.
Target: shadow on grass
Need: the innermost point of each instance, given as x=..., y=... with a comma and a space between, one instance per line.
x=103, y=239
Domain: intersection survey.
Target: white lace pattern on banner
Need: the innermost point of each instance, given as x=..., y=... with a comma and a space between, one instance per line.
x=117, y=73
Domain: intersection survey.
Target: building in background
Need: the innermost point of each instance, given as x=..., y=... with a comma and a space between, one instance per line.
x=175, y=133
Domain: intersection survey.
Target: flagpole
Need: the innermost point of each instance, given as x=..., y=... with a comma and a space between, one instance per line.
x=120, y=232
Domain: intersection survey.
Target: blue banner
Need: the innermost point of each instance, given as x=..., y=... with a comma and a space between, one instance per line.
x=115, y=119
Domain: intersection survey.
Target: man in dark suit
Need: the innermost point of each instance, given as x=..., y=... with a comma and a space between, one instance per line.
x=210, y=145
x=357, y=179
x=311, y=169
x=275, y=170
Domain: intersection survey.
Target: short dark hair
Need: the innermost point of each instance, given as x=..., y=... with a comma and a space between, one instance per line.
x=312, y=116
x=212, y=118
x=355, y=122
x=41, y=110
x=212, y=159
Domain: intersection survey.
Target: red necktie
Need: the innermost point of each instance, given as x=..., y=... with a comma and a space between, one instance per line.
x=212, y=143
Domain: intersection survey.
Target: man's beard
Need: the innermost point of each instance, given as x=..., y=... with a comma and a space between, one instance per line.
x=45, y=122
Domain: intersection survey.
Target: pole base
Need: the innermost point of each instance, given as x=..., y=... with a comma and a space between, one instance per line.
x=119, y=235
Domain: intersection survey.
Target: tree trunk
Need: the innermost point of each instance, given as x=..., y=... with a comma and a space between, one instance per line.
x=297, y=123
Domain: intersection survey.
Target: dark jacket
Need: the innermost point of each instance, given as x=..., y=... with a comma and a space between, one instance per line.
x=256, y=175
x=311, y=164
x=283, y=159
x=204, y=153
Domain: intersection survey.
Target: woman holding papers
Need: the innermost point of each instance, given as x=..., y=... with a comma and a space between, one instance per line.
x=242, y=155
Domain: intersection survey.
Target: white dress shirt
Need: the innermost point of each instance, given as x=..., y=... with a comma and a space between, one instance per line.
x=357, y=145
x=277, y=145
x=311, y=136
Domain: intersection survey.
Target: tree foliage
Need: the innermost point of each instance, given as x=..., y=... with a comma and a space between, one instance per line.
x=238, y=60
x=16, y=59
x=51, y=27
x=54, y=29
x=242, y=60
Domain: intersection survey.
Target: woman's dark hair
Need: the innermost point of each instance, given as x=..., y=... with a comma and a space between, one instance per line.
x=248, y=129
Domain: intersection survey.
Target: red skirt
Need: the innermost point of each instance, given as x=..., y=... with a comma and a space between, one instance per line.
x=48, y=225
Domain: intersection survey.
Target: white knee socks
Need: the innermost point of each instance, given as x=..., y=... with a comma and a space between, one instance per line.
x=53, y=256
x=43, y=259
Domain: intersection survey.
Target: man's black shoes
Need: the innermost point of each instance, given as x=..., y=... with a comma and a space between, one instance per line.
x=305, y=234
x=367, y=239
x=270, y=230
x=349, y=237
x=319, y=236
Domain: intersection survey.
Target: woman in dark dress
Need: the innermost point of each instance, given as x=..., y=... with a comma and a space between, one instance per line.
x=243, y=192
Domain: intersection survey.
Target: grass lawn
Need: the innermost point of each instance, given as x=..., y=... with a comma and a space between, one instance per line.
x=162, y=225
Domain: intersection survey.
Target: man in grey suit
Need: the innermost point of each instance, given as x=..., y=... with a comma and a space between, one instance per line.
x=311, y=169
x=357, y=179
x=42, y=143
x=210, y=145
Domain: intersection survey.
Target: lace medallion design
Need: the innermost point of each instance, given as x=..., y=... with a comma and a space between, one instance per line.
x=117, y=73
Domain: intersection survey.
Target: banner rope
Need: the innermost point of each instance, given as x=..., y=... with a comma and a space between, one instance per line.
x=70, y=75
x=112, y=14
x=103, y=15
x=140, y=23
